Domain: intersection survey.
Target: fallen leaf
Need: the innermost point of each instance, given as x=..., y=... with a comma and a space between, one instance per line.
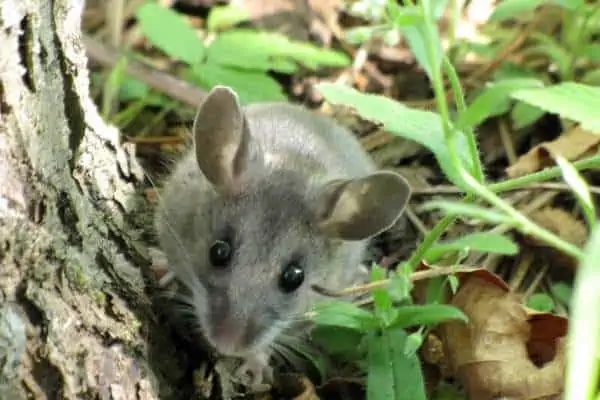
x=296, y=19
x=564, y=225
x=561, y=223
x=296, y=387
x=491, y=355
x=572, y=145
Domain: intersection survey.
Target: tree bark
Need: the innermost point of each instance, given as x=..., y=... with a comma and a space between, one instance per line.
x=75, y=319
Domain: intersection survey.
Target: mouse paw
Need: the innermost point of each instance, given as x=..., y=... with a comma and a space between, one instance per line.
x=257, y=369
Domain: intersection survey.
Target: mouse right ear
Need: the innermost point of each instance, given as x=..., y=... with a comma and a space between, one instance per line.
x=222, y=139
x=357, y=209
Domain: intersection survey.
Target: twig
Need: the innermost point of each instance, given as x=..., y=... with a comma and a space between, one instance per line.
x=176, y=88
x=415, y=276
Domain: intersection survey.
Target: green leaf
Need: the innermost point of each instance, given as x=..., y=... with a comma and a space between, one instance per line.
x=467, y=211
x=569, y=99
x=400, y=284
x=489, y=103
x=579, y=186
x=415, y=38
x=381, y=297
x=133, y=89
x=250, y=49
x=541, y=302
x=591, y=77
x=508, y=9
x=221, y=17
x=427, y=314
x=252, y=86
x=170, y=32
x=423, y=127
x=562, y=292
x=344, y=314
x=523, y=115
x=414, y=341
x=583, y=341
x=554, y=51
x=338, y=340
x=361, y=34
x=486, y=242
x=391, y=374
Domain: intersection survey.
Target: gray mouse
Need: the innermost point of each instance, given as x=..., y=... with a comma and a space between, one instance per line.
x=271, y=199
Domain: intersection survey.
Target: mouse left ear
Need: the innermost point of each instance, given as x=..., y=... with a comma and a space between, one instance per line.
x=224, y=146
x=357, y=209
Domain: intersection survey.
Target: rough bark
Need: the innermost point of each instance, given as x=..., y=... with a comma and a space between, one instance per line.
x=75, y=321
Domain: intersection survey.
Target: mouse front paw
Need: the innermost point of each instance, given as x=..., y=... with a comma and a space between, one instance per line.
x=256, y=370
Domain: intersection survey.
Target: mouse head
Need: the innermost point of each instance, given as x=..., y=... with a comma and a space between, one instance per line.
x=265, y=236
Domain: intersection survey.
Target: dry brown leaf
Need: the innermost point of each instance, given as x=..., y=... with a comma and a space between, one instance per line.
x=561, y=223
x=296, y=387
x=294, y=18
x=490, y=355
x=572, y=145
x=564, y=225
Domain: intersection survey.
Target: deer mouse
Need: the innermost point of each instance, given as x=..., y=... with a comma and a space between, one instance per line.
x=271, y=199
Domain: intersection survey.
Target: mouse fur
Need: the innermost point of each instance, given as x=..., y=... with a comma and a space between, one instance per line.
x=286, y=189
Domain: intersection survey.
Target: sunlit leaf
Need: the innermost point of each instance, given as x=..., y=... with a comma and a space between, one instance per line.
x=170, y=32
x=486, y=242
x=423, y=127
x=392, y=375
x=344, y=314
x=426, y=314
x=571, y=100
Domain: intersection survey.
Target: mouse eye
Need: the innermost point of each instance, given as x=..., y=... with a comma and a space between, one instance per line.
x=220, y=253
x=291, y=277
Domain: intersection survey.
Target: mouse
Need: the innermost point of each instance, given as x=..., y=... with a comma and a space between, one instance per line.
x=270, y=199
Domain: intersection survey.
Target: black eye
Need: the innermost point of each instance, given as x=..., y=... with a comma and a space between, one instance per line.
x=220, y=253
x=291, y=277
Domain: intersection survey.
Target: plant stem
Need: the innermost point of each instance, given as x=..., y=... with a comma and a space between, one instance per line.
x=459, y=98
x=544, y=175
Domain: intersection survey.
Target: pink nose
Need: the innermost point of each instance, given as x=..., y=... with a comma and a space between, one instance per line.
x=227, y=336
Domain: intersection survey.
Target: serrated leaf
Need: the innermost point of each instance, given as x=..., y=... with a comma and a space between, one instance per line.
x=250, y=49
x=251, y=86
x=571, y=100
x=467, y=211
x=583, y=344
x=226, y=16
x=392, y=375
x=541, y=302
x=423, y=127
x=344, y=314
x=426, y=314
x=170, y=32
x=579, y=186
x=486, y=242
x=489, y=102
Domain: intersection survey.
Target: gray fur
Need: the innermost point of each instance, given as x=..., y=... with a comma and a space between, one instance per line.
x=276, y=192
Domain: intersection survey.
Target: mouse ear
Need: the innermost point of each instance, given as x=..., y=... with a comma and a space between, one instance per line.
x=222, y=138
x=357, y=209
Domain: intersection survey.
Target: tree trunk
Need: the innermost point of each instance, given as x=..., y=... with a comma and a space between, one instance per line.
x=75, y=321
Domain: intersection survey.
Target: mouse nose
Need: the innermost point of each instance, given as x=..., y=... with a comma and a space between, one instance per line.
x=232, y=336
x=227, y=335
